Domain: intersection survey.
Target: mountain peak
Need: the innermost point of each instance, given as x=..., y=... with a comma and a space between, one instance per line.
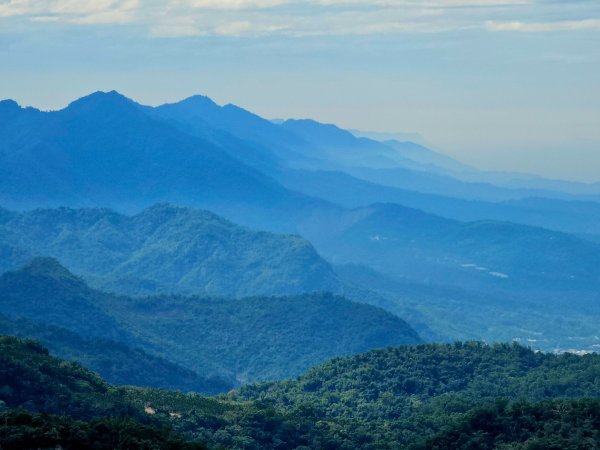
x=199, y=99
x=9, y=104
x=9, y=108
x=47, y=267
x=101, y=100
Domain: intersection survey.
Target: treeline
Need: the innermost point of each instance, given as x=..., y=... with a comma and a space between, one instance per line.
x=464, y=396
x=393, y=398
x=550, y=425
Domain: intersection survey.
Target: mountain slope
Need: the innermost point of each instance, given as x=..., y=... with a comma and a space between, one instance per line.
x=578, y=217
x=168, y=249
x=410, y=243
x=44, y=291
x=260, y=338
x=339, y=405
x=134, y=418
x=242, y=340
x=245, y=135
x=395, y=397
x=106, y=149
x=116, y=362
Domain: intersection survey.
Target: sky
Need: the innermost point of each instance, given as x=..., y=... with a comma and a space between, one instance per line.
x=499, y=84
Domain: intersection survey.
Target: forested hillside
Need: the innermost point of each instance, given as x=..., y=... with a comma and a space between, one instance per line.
x=555, y=424
x=391, y=398
x=166, y=249
x=116, y=362
x=34, y=381
x=419, y=398
x=239, y=340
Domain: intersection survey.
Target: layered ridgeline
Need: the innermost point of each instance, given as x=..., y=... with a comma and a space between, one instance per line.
x=395, y=397
x=117, y=362
x=166, y=249
x=324, y=161
x=105, y=149
x=494, y=281
x=454, y=280
x=240, y=340
x=372, y=401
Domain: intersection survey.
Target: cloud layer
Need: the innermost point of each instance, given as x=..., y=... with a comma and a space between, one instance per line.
x=181, y=18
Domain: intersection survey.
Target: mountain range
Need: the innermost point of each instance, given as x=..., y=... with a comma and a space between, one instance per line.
x=225, y=341
x=458, y=253
x=166, y=249
x=450, y=279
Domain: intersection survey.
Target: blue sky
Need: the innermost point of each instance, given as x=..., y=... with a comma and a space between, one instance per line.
x=500, y=84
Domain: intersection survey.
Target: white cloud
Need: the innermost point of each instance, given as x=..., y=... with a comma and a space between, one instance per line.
x=180, y=18
x=540, y=27
x=424, y=3
x=227, y=4
x=245, y=27
x=79, y=11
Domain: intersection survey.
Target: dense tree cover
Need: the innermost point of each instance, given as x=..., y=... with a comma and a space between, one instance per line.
x=366, y=402
x=259, y=338
x=392, y=397
x=44, y=291
x=21, y=430
x=32, y=379
x=236, y=339
x=167, y=249
x=116, y=362
x=550, y=425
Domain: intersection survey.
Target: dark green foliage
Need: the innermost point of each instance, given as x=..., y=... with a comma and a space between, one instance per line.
x=243, y=340
x=169, y=249
x=395, y=396
x=32, y=379
x=44, y=291
x=20, y=430
x=259, y=338
x=116, y=362
x=438, y=397
x=550, y=425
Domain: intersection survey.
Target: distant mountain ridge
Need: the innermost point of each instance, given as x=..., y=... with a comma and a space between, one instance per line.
x=492, y=269
x=105, y=149
x=301, y=177
x=166, y=249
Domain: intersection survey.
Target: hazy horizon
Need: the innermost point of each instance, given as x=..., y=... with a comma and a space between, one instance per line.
x=477, y=161
x=499, y=84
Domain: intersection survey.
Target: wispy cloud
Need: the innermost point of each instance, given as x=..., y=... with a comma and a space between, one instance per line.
x=541, y=27
x=228, y=4
x=179, y=18
x=78, y=11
